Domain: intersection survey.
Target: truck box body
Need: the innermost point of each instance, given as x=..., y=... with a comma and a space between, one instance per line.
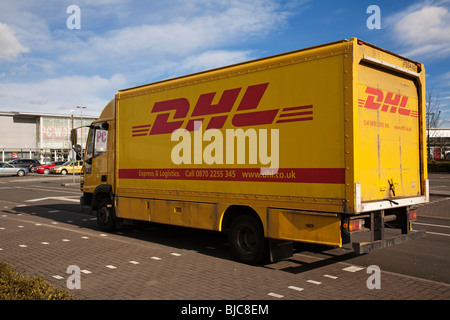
x=302, y=140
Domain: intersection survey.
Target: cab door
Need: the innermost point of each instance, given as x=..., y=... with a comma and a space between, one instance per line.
x=96, y=159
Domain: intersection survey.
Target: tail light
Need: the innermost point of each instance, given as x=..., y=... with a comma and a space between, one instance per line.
x=355, y=225
x=412, y=214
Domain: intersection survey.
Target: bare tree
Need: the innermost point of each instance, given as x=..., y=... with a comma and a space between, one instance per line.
x=433, y=113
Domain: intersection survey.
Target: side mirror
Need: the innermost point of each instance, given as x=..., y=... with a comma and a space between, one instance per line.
x=77, y=148
x=89, y=161
x=73, y=137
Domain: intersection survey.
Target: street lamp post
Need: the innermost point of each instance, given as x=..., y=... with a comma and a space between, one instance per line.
x=79, y=107
x=73, y=163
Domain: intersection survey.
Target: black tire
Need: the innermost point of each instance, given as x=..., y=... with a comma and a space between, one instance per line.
x=46, y=171
x=20, y=173
x=64, y=172
x=246, y=239
x=105, y=215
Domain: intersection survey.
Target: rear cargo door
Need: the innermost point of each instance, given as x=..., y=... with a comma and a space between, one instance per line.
x=388, y=161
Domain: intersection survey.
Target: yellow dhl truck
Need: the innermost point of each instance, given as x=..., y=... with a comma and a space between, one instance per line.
x=308, y=146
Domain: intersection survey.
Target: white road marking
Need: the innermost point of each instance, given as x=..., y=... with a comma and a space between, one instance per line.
x=432, y=225
x=314, y=282
x=439, y=234
x=276, y=295
x=111, y=266
x=352, y=269
x=54, y=198
x=295, y=288
x=329, y=276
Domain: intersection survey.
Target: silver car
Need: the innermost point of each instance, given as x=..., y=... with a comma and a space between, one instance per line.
x=8, y=170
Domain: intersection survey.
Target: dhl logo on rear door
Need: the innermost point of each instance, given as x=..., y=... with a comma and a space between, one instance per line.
x=386, y=102
x=245, y=115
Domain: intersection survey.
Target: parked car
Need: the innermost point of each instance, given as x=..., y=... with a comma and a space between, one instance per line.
x=25, y=163
x=7, y=169
x=46, y=169
x=68, y=167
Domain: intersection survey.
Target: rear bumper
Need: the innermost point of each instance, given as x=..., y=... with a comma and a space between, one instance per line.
x=366, y=247
x=372, y=233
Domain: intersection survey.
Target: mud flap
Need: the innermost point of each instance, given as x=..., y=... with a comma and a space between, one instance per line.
x=280, y=249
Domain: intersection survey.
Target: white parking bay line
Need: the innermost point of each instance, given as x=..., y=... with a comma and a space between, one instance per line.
x=110, y=266
x=295, y=288
x=314, y=282
x=353, y=269
x=276, y=295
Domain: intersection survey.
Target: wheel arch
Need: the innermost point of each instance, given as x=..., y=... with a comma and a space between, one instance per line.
x=102, y=191
x=234, y=211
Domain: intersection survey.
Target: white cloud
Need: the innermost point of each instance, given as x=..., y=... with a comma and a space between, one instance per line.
x=60, y=95
x=214, y=59
x=123, y=43
x=233, y=22
x=10, y=46
x=425, y=30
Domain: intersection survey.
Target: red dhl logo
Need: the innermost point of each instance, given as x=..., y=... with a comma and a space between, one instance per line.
x=392, y=102
x=218, y=114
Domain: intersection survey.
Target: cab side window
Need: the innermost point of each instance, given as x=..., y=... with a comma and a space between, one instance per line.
x=101, y=140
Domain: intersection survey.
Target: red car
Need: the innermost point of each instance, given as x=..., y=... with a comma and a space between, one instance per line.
x=46, y=169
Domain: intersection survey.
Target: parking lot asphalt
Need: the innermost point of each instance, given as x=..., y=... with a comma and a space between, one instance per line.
x=155, y=262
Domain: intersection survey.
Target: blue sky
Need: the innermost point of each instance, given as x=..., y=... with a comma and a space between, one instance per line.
x=46, y=67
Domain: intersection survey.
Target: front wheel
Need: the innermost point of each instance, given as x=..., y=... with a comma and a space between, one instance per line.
x=105, y=215
x=20, y=173
x=246, y=239
x=64, y=172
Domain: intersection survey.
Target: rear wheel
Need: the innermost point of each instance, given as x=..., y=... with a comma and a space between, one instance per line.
x=46, y=171
x=105, y=215
x=246, y=239
x=64, y=172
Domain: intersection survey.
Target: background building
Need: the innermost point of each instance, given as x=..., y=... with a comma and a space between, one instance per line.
x=45, y=137
x=438, y=143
